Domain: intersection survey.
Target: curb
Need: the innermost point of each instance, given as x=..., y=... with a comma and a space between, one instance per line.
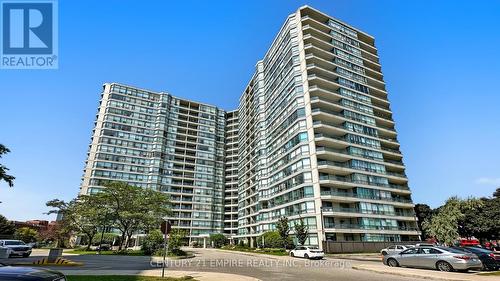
x=409, y=274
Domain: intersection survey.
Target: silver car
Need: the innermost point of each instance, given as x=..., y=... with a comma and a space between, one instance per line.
x=441, y=258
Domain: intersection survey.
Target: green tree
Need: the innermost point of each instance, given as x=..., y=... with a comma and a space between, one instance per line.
x=283, y=229
x=6, y=227
x=218, y=240
x=445, y=224
x=483, y=221
x=153, y=242
x=9, y=179
x=176, y=241
x=423, y=212
x=83, y=215
x=301, y=231
x=270, y=239
x=26, y=234
x=496, y=194
x=134, y=209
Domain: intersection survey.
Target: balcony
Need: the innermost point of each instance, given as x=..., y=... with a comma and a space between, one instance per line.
x=355, y=195
x=346, y=165
x=368, y=212
x=370, y=227
x=343, y=179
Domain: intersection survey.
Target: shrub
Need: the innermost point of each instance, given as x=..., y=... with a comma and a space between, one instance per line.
x=272, y=239
x=218, y=240
x=153, y=242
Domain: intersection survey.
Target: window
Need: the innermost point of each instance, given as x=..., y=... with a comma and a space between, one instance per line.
x=409, y=252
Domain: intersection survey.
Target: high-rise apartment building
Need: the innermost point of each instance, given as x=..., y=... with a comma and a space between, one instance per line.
x=313, y=139
x=154, y=140
x=318, y=138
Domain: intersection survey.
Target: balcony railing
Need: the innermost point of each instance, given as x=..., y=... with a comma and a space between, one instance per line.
x=369, y=227
x=356, y=195
x=366, y=211
x=346, y=165
x=358, y=120
x=343, y=179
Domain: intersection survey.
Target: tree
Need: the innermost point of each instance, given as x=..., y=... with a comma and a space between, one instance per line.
x=176, y=241
x=496, y=194
x=270, y=239
x=283, y=229
x=9, y=179
x=423, y=212
x=26, y=234
x=133, y=208
x=153, y=242
x=445, y=224
x=218, y=240
x=301, y=231
x=54, y=233
x=83, y=215
x=6, y=227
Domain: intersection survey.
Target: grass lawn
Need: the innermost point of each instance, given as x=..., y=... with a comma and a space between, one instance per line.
x=496, y=273
x=125, y=278
x=122, y=253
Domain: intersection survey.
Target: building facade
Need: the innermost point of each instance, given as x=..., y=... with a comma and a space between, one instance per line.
x=154, y=140
x=318, y=137
x=313, y=139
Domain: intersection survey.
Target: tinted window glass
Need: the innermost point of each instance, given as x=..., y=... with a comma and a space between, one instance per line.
x=409, y=251
x=451, y=250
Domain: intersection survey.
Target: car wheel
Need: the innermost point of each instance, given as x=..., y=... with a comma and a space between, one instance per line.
x=444, y=266
x=384, y=253
x=292, y=254
x=306, y=256
x=392, y=263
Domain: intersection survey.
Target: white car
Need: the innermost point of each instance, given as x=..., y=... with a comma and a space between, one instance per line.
x=16, y=248
x=308, y=252
x=394, y=249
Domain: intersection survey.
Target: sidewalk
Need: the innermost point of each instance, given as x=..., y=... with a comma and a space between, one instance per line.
x=358, y=257
x=424, y=273
x=198, y=275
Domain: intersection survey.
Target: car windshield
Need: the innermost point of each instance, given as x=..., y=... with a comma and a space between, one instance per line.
x=14, y=243
x=313, y=248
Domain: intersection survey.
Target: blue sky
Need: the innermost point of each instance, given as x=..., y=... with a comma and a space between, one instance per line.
x=440, y=61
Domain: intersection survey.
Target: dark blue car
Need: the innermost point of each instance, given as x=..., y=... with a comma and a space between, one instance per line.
x=15, y=273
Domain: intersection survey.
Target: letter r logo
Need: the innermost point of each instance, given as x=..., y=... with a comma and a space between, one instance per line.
x=27, y=28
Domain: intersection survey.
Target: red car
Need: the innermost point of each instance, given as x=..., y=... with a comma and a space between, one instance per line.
x=469, y=242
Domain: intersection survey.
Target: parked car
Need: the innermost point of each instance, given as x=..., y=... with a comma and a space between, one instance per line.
x=440, y=258
x=394, y=249
x=11, y=273
x=16, y=247
x=104, y=247
x=308, y=252
x=490, y=260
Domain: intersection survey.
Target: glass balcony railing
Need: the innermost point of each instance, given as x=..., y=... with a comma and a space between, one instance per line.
x=358, y=120
x=344, y=179
x=355, y=195
x=370, y=227
x=366, y=211
x=346, y=165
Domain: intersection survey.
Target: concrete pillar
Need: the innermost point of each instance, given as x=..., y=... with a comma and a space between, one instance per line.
x=204, y=242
